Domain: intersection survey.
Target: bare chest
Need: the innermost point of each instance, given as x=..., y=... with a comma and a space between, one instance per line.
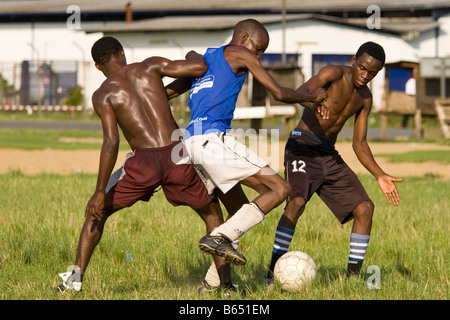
x=343, y=103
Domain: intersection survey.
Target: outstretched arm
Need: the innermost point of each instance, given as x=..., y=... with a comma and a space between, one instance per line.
x=364, y=154
x=183, y=84
x=177, y=87
x=193, y=66
x=244, y=59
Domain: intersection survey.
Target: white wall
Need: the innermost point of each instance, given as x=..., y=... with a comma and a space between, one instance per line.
x=172, y=45
x=444, y=36
x=425, y=43
x=49, y=42
x=54, y=41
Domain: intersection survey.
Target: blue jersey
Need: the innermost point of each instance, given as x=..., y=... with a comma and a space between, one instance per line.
x=212, y=98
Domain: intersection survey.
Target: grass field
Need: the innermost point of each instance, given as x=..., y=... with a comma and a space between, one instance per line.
x=41, y=217
x=442, y=156
x=35, y=139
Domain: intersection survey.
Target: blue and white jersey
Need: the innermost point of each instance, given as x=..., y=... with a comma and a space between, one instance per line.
x=212, y=98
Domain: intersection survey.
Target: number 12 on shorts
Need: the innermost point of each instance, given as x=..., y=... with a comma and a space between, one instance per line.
x=298, y=166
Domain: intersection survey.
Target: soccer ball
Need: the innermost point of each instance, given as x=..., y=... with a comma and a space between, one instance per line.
x=294, y=269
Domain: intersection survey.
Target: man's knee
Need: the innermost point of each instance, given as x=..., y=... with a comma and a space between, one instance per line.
x=292, y=213
x=284, y=190
x=364, y=211
x=296, y=206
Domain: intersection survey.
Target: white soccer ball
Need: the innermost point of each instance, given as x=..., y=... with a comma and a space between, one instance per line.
x=294, y=269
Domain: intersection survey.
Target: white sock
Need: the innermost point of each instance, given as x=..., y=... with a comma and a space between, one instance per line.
x=248, y=216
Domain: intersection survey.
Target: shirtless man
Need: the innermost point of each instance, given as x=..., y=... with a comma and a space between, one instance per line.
x=312, y=164
x=133, y=97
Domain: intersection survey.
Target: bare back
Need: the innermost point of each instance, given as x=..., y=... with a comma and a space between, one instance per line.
x=137, y=96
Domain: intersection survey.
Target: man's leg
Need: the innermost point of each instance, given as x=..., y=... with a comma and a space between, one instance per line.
x=232, y=200
x=213, y=217
x=249, y=215
x=285, y=231
x=273, y=189
x=359, y=238
x=242, y=162
x=90, y=236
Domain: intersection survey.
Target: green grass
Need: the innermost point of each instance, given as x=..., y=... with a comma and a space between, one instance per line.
x=37, y=139
x=62, y=116
x=41, y=217
x=442, y=156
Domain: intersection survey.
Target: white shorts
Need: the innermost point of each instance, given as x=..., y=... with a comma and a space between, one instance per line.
x=221, y=160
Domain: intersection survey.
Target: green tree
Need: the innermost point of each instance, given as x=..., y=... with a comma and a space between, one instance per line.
x=75, y=98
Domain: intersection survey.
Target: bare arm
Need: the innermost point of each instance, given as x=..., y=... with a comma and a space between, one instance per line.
x=177, y=87
x=108, y=154
x=360, y=145
x=182, y=84
x=365, y=156
x=322, y=80
x=194, y=66
x=245, y=59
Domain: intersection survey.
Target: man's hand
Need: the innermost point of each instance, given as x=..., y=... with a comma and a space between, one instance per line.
x=95, y=205
x=320, y=95
x=387, y=186
x=321, y=110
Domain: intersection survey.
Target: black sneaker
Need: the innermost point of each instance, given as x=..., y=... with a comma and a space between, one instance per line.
x=353, y=268
x=221, y=246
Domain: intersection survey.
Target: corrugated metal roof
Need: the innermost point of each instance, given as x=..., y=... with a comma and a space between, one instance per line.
x=60, y=6
x=176, y=23
x=173, y=23
x=401, y=25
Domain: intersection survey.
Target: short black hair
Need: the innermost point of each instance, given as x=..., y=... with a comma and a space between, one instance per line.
x=104, y=48
x=250, y=26
x=372, y=49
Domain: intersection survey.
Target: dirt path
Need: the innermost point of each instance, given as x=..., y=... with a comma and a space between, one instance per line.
x=52, y=161
x=67, y=162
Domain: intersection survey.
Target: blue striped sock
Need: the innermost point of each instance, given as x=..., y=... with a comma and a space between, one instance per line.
x=283, y=238
x=358, y=246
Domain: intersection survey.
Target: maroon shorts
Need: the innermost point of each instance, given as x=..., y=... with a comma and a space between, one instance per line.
x=145, y=170
x=313, y=165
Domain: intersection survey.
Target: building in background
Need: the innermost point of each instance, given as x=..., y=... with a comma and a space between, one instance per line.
x=46, y=52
